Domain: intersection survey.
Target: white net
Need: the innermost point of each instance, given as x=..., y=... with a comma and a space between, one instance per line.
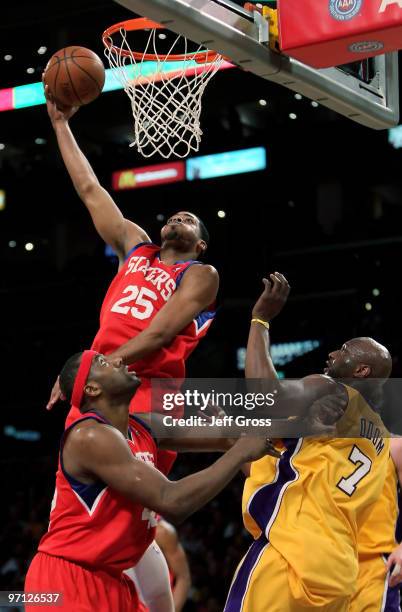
x=165, y=95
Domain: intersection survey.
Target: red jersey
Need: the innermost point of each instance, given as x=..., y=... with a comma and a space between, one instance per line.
x=94, y=526
x=143, y=285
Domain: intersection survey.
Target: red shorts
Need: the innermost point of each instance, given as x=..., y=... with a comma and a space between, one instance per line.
x=83, y=590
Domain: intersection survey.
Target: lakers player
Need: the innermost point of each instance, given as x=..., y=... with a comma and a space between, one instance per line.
x=305, y=509
x=380, y=559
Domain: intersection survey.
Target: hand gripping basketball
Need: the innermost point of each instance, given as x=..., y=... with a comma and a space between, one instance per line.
x=57, y=112
x=75, y=76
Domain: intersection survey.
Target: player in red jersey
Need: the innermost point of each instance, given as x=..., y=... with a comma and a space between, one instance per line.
x=101, y=520
x=161, y=303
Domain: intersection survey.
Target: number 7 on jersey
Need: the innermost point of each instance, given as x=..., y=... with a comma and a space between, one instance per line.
x=348, y=485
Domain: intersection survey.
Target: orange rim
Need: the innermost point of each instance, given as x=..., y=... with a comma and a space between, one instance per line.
x=142, y=23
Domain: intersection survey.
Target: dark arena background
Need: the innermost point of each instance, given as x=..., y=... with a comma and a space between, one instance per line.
x=326, y=212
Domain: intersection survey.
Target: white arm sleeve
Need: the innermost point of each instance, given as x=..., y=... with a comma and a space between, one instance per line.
x=151, y=578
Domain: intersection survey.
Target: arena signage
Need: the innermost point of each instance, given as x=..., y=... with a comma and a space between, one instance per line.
x=204, y=167
x=148, y=176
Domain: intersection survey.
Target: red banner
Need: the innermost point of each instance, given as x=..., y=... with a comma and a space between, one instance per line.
x=324, y=33
x=148, y=176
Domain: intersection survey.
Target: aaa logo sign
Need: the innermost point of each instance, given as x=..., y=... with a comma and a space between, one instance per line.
x=343, y=10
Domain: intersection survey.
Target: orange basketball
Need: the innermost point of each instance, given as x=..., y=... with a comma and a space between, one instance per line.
x=75, y=76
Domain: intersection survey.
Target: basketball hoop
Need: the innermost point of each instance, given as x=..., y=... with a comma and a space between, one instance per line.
x=166, y=103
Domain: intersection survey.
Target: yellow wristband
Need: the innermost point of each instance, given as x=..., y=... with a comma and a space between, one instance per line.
x=264, y=323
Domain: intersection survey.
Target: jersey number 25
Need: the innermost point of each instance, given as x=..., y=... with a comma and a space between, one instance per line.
x=141, y=299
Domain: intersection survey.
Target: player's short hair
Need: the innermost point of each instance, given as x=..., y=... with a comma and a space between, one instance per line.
x=204, y=233
x=68, y=375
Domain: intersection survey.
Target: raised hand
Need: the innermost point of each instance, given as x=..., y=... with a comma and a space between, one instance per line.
x=56, y=113
x=273, y=298
x=55, y=395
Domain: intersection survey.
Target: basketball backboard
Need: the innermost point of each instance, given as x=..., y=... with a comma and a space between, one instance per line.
x=242, y=36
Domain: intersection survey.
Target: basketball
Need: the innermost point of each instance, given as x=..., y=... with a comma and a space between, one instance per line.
x=75, y=76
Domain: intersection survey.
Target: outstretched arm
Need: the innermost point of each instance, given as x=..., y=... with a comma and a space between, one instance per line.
x=195, y=439
x=295, y=398
x=101, y=452
x=197, y=291
x=259, y=363
x=120, y=233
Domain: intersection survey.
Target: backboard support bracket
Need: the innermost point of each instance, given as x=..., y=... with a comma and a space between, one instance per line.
x=226, y=28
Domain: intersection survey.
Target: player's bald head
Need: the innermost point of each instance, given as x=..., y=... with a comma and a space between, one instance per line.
x=370, y=353
x=360, y=358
